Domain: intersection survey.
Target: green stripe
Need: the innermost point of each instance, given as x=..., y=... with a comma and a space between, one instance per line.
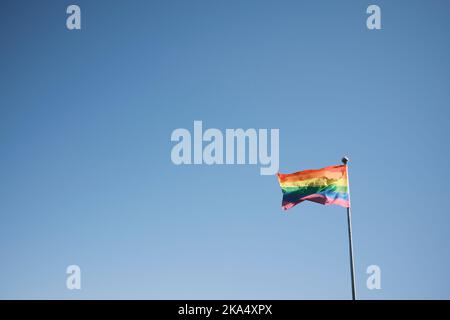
x=312, y=190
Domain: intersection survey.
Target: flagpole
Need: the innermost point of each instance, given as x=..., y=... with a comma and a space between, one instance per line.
x=350, y=239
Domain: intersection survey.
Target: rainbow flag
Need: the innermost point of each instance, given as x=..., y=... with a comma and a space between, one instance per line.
x=325, y=186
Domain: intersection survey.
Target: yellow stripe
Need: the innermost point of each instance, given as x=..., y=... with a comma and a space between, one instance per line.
x=315, y=182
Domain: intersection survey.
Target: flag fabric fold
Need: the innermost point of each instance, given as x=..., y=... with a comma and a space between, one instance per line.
x=326, y=186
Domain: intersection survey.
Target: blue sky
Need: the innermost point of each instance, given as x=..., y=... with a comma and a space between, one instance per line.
x=86, y=176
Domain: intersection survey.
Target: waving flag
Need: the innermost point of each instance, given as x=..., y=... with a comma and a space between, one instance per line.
x=326, y=186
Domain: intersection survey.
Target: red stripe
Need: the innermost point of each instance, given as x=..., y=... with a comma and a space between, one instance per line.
x=332, y=172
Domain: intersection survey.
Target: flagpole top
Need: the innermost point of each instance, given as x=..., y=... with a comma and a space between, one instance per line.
x=345, y=160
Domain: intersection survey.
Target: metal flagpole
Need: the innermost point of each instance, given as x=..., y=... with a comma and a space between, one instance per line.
x=350, y=240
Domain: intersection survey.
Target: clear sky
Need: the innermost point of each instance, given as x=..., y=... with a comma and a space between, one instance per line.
x=86, y=176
